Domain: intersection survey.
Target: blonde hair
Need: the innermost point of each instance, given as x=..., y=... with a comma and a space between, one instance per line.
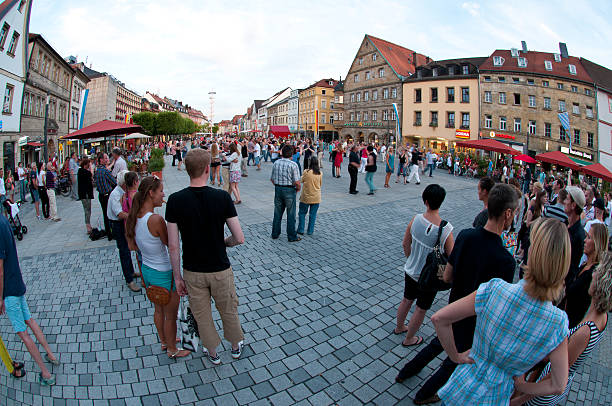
x=601, y=287
x=600, y=240
x=549, y=260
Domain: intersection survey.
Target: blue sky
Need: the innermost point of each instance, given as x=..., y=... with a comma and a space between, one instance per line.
x=252, y=49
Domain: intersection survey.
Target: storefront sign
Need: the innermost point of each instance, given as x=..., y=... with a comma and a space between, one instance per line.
x=493, y=134
x=581, y=154
x=360, y=124
x=23, y=141
x=462, y=134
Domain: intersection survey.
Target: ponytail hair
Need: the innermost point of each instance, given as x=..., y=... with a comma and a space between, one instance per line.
x=146, y=185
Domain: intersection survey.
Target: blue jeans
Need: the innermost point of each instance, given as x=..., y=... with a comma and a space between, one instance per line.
x=124, y=252
x=284, y=198
x=22, y=190
x=369, y=178
x=431, y=168
x=251, y=157
x=304, y=208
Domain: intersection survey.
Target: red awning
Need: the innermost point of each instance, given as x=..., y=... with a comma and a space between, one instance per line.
x=557, y=158
x=598, y=171
x=280, y=130
x=525, y=158
x=35, y=144
x=488, y=145
x=104, y=128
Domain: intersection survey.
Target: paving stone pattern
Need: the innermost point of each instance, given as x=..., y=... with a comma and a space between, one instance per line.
x=317, y=314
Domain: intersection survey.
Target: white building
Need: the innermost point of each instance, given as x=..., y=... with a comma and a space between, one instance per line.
x=14, y=24
x=292, y=111
x=262, y=113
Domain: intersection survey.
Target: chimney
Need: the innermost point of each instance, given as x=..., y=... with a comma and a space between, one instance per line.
x=563, y=49
x=414, y=59
x=428, y=59
x=524, y=46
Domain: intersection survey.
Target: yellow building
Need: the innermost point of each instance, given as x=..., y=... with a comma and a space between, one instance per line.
x=441, y=104
x=317, y=98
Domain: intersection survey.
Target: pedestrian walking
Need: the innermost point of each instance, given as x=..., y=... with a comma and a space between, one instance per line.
x=389, y=165
x=234, y=172
x=200, y=213
x=245, y=156
x=285, y=177
x=414, y=166
x=116, y=218
x=73, y=167
x=42, y=190
x=353, y=168
x=339, y=152
x=401, y=168
x=430, y=161
x=50, y=179
x=22, y=179
x=370, y=169
x=33, y=174
x=310, y=196
x=105, y=183
x=13, y=302
x=85, y=190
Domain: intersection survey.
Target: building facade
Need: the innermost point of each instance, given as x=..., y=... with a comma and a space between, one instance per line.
x=109, y=99
x=292, y=111
x=522, y=93
x=316, y=110
x=49, y=81
x=338, y=109
x=372, y=85
x=128, y=103
x=440, y=104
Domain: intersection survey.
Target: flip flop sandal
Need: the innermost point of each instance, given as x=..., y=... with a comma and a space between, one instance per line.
x=179, y=353
x=18, y=373
x=396, y=333
x=52, y=361
x=417, y=342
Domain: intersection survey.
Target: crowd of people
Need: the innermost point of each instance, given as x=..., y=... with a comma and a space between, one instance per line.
x=530, y=282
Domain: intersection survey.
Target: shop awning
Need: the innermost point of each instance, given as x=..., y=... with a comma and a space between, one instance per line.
x=557, y=158
x=104, y=128
x=280, y=130
x=488, y=145
x=525, y=158
x=34, y=144
x=597, y=170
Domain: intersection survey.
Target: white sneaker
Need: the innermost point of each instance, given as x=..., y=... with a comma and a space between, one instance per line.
x=238, y=352
x=214, y=360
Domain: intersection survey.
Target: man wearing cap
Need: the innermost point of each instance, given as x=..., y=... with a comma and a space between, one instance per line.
x=574, y=204
x=599, y=209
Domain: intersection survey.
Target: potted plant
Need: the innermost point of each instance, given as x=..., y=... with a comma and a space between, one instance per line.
x=156, y=162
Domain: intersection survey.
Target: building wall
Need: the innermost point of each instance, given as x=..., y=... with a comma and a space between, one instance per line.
x=78, y=85
x=102, y=100
x=444, y=135
x=359, y=129
x=292, y=111
x=313, y=99
x=583, y=96
x=129, y=102
x=604, y=115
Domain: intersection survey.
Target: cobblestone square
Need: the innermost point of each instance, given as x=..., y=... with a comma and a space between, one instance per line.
x=318, y=315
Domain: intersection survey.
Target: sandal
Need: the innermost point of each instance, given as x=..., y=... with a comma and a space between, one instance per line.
x=419, y=340
x=396, y=333
x=17, y=365
x=164, y=347
x=52, y=361
x=180, y=353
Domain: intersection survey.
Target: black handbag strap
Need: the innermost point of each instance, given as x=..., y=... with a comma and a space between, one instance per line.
x=443, y=224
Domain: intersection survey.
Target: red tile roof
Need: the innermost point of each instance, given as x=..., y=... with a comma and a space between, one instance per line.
x=535, y=64
x=324, y=83
x=400, y=58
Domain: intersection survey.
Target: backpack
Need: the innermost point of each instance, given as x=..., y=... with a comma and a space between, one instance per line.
x=430, y=279
x=96, y=234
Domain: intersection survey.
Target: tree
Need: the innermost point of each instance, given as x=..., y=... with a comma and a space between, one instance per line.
x=215, y=129
x=147, y=121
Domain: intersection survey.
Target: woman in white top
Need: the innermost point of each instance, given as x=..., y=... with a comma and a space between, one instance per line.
x=419, y=240
x=147, y=232
x=234, y=172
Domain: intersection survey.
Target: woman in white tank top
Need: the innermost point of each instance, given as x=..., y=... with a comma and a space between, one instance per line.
x=148, y=232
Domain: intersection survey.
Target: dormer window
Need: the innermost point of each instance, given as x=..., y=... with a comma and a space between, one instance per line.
x=451, y=70
x=557, y=57
x=498, y=61
x=522, y=62
x=21, y=5
x=360, y=61
x=514, y=52
x=572, y=69
x=466, y=69
x=434, y=72
x=374, y=56
x=548, y=65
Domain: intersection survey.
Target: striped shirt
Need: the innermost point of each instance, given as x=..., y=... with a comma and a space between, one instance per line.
x=105, y=182
x=513, y=332
x=594, y=338
x=285, y=172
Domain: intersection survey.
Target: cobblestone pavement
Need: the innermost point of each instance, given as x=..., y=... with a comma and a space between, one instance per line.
x=318, y=315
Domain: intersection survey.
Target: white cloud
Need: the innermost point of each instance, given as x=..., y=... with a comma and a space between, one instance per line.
x=252, y=49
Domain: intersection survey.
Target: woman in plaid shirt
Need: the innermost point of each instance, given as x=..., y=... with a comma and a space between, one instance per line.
x=517, y=326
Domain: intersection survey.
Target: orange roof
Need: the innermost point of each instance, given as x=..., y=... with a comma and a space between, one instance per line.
x=399, y=58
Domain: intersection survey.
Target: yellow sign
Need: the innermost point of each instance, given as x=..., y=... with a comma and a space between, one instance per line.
x=61, y=147
x=69, y=142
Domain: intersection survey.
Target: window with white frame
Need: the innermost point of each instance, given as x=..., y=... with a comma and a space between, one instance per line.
x=381, y=73
x=341, y=116
x=517, y=125
x=365, y=116
x=7, y=107
x=366, y=96
x=367, y=75
x=502, y=123
x=562, y=133
x=352, y=116
x=557, y=57
x=385, y=93
x=488, y=123
x=360, y=61
x=487, y=96
x=352, y=97
x=466, y=69
x=26, y=103
x=4, y=35
x=394, y=92
x=532, y=101
x=560, y=86
x=572, y=69
x=322, y=119
x=374, y=94
x=574, y=89
x=587, y=92
x=374, y=56
x=547, y=103
x=532, y=127
x=589, y=111
x=502, y=97
x=590, y=140
x=548, y=65
x=13, y=45
x=547, y=130
x=359, y=116
x=385, y=115
x=576, y=108
x=465, y=120
x=323, y=104
x=359, y=96
x=374, y=115
x=498, y=61
x=545, y=83
x=561, y=106
x=450, y=119
x=356, y=77
x=576, y=136
x=522, y=62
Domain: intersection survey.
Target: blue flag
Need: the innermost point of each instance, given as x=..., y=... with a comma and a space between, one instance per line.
x=565, y=123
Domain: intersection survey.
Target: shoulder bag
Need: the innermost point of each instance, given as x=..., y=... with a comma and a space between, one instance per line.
x=431, y=276
x=157, y=294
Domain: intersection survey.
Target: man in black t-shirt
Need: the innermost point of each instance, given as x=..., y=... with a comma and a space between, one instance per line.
x=200, y=214
x=353, y=167
x=414, y=165
x=478, y=256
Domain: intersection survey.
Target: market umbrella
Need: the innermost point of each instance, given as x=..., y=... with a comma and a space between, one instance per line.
x=557, y=158
x=525, y=158
x=104, y=128
x=488, y=145
x=597, y=171
x=135, y=136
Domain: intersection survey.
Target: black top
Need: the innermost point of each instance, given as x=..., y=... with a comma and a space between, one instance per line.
x=308, y=152
x=371, y=168
x=354, y=157
x=477, y=257
x=85, y=184
x=577, y=236
x=245, y=151
x=13, y=282
x=200, y=213
x=402, y=159
x=416, y=157
x=481, y=219
x=577, y=299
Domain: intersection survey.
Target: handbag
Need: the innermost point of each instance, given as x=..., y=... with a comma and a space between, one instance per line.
x=157, y=294
x=431, y=275
x=190, y=336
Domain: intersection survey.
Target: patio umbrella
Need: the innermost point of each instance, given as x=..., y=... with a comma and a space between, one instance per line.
x=136, y=136
x=597, y=171
x=557, y=158
x=104, y=128
x=525, y=158
x=488, y=145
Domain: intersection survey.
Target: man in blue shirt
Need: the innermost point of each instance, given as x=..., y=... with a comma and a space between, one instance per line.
x=13, y=302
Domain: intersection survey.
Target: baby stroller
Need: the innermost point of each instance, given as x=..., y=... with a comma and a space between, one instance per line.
x=12, y=214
